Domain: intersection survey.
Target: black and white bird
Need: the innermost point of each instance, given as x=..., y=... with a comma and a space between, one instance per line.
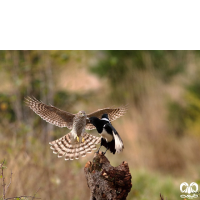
x=110, y=138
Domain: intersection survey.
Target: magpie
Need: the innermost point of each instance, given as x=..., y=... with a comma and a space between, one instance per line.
x=110, y=138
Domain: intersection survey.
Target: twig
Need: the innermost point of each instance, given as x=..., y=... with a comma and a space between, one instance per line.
x=10, y=182
x=35, y=194
x=20, y=197
x=3, y=180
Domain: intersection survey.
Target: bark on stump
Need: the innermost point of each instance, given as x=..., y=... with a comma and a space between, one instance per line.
x=105, y=181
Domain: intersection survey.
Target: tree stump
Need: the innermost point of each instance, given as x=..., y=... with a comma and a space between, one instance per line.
x=105, y=181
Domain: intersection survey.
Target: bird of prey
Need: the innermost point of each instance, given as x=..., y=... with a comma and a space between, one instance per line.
x=109, y=136
x=70, y=146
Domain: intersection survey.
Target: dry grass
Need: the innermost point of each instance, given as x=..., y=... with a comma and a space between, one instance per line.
x=36, y=167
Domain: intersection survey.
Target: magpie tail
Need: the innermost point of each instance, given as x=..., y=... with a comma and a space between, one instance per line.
x=109, y=145
x=118, y=143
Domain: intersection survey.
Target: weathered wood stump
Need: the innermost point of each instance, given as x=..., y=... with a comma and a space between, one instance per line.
x=105, y=181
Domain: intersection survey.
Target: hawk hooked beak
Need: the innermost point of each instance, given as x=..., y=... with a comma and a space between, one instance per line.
x=82, y=113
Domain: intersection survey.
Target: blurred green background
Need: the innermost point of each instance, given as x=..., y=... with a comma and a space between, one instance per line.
x=161, y=130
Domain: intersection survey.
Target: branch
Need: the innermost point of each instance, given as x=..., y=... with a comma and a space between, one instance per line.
x=20, y=197
x=10, y=182
x=35, y=194
x=106, y=181
x=3, y=180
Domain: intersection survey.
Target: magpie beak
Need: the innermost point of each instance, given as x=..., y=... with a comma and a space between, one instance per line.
x=110, y=138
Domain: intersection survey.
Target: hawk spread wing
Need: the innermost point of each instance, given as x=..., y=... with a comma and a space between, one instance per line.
x=50, y=113
x=113, y=114
x=77, y=122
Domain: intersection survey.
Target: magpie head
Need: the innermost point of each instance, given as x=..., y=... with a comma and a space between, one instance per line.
x=105, y=116
x=95, y=121
x=92, y=119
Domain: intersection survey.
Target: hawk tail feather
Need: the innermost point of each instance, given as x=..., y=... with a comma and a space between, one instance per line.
x=70, y=150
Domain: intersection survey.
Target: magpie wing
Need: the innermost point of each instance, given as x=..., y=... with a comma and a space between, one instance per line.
x=113, y=114
x=119, y=146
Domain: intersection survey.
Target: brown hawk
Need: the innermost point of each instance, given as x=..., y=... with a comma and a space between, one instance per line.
x=69, y=145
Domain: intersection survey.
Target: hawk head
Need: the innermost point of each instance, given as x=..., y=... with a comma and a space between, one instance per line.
x=81, y=114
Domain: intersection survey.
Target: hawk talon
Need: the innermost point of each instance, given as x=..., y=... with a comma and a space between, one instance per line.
x=98, y=149
x=83, y=140
x=104, y=152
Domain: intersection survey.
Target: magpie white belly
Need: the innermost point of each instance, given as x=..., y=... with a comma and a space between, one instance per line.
x=106, y=136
